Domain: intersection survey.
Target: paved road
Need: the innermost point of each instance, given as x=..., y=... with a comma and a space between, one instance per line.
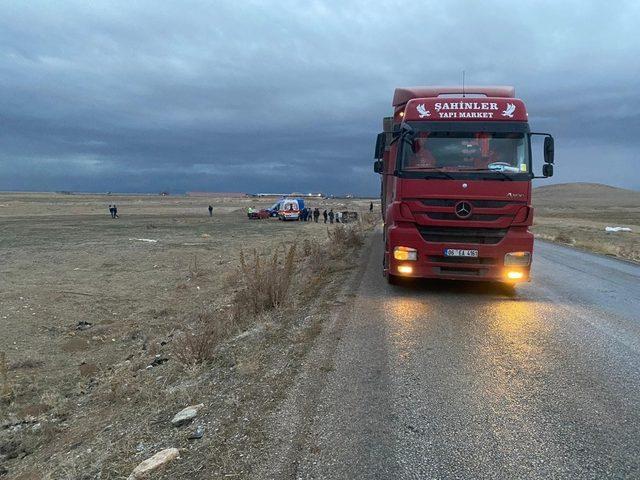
x=466, y=381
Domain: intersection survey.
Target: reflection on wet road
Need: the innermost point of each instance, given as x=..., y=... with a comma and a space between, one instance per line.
x=453, y=380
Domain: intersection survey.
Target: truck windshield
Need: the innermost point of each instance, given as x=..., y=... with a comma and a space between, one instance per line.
x=506, y=153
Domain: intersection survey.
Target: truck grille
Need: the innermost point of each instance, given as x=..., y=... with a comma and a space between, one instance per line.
x=465, y=260
x=480, y=217
x=477, y=272
x=487, y=236
x=447, y=202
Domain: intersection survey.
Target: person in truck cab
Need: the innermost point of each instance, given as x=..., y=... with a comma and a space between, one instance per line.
x=421, y=156
x=470, y=154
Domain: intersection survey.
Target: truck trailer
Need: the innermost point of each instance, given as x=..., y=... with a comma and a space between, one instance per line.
x=456, y=170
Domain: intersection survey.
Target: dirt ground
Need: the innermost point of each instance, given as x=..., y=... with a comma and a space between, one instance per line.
x=90, y=308
x=577, y=214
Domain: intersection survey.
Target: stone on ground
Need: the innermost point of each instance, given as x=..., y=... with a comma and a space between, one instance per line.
x=186, y=415
x=152, y=464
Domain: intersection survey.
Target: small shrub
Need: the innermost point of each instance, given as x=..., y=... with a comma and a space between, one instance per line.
x=315, y=254
x=345, y=237
x=307, y=246
x=194, y=269
x=564, y=238
x=6, y=392
x=197, y=345
x=368, y=220
x=265, y=285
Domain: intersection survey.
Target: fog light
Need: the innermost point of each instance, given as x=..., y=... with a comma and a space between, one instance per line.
x=515, y=275
x=405, y=269
x=520, y=259
x=405, y=253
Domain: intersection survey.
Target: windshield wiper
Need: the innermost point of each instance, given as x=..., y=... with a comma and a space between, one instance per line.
x=436, y=171
x=488, y=170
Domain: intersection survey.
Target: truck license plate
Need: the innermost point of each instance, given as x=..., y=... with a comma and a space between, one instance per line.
x=456, y=252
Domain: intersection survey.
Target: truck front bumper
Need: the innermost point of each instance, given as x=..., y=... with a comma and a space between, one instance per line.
x=433, y=263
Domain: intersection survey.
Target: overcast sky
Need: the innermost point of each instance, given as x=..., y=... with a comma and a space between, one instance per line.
x=141, y=96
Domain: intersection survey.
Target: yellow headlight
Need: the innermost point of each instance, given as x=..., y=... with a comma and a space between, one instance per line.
x=405, y=253
x=515, y=275
x=520, y=259
x=405, y=269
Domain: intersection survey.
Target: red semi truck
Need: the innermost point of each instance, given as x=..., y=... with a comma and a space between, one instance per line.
x=456, y=168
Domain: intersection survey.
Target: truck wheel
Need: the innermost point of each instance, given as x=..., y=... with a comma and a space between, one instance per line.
x=393, y=279
x=508, y=289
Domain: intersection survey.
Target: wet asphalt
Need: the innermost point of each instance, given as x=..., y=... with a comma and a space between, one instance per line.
x=456, y=380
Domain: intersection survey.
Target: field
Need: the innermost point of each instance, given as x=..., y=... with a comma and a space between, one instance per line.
x=577, y=214
x=111, y=326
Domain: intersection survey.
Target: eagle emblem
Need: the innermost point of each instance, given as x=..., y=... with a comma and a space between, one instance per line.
x=508, y=112
x=423, y=112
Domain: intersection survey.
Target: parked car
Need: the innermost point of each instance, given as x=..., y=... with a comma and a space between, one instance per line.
x=259, y=214
x=348, y=217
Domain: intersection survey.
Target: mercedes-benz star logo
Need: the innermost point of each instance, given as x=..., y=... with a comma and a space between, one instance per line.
x=463, y=209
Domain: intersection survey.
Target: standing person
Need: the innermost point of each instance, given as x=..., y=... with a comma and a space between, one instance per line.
x=210, y=211
x=309, y=214
x=331, y=215
x=111, y=211
x=316, y=214
x=371, y=207
x=324, y=214
x=115, y=211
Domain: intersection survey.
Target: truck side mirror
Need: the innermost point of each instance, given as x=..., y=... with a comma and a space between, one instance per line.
x=408, y=135
x=548, y=150
x=378, y=166
x=547, y=168
x=380, y=141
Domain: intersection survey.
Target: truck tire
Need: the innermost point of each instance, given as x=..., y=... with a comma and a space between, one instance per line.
x=393, y=279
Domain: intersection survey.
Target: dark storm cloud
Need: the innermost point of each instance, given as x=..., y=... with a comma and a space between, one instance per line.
x=255, y=96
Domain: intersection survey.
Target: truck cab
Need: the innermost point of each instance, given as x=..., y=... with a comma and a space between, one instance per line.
x=456, y=170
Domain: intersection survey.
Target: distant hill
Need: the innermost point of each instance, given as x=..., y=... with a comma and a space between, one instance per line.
x=585, y=195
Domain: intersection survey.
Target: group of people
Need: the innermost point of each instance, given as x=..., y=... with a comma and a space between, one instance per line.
x=113, y=210
x=307, y=215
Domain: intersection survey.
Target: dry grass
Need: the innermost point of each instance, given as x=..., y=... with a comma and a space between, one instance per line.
x=369, y=220
x=197, y=345
x=6, y=392
x=577, y=214
x=315, y=255
x=265, y=284
x=628, y=252
x=342, y=236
